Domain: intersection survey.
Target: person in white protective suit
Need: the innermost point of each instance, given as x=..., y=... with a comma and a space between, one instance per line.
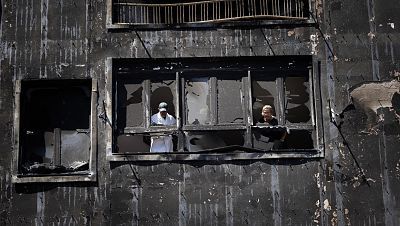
x=162, y=143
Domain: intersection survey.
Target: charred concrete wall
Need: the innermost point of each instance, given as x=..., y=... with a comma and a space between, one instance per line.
x=357, y=182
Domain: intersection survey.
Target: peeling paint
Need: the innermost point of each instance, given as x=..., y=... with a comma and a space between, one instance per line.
x=326, y=205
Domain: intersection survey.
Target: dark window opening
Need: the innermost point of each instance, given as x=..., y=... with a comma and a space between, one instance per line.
x=55, y=126
x=297, y=106
x=163, y=91
x=127, y=143
x=299, y=139
x=270, y=138
x=288, y=94
x=202, y=140
x=264, y=93
x=217, y=104
x=130, y=101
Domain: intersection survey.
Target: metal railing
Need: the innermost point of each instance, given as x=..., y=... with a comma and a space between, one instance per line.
x=129, y=12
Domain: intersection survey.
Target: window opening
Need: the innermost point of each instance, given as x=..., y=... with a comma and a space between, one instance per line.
x=125, y=142
x=197, y=99
x=264, y=93
x=230, y=100
x=297, y=106
x=163, y=91
x=203, y=140
x=221, y=105
x=299, y=139
x=140, y=125
x=130, y=101
x=271, y=138
x=55, y=133
x=288, y=94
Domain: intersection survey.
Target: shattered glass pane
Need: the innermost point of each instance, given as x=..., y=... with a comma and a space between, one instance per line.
x=200, y=141
x=229, y=101
x=297, y=104
x=130, y=104
x=264, y=93
x=75, y=147
x=197, y=96
x=163, y=91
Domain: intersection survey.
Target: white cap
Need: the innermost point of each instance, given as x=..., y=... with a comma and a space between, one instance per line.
x=162, y=106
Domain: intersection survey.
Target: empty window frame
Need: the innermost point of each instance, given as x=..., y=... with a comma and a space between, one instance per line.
x=216, y=106
x=155, y=14
x=290, y=94
x=137, y=100
x=55, y=130
x=213, y=99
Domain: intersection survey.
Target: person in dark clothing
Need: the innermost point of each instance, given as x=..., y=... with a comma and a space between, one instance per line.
x=267, y=116
x=277, y=137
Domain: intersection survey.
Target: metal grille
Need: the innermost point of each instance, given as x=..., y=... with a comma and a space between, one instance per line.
x=129, y=12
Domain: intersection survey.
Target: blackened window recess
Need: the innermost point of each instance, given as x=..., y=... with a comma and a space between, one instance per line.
x=163, y=90
x=130, y=101
x=265, y=92
x=288, y=94
x=54, y=126
x=138, y=95
x=297, y=101
x=204, y=140
x=216, y=98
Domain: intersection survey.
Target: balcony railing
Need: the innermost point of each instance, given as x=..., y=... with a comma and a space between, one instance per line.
x=129, y=12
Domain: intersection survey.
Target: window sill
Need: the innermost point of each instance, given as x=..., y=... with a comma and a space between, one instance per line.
x=84, y=176
x=213, y=127
x=230, y=156
x=286, y=127
x=232, y=24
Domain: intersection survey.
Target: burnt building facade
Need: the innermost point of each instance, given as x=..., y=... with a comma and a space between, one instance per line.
x=80, y=81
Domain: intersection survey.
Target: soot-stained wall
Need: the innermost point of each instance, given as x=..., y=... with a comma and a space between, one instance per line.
x=356, y=183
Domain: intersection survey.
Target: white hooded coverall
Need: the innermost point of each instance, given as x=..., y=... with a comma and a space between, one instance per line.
x=162, y=143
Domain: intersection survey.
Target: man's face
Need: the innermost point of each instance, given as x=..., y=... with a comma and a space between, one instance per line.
x=163, y=114
x=267, y=114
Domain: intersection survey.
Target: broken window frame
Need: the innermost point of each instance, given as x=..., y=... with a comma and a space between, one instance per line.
x=315, y=125
x=244, y=21
x=248, y=153
x=213, y=108
x=88, y=175
x=147, y=128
